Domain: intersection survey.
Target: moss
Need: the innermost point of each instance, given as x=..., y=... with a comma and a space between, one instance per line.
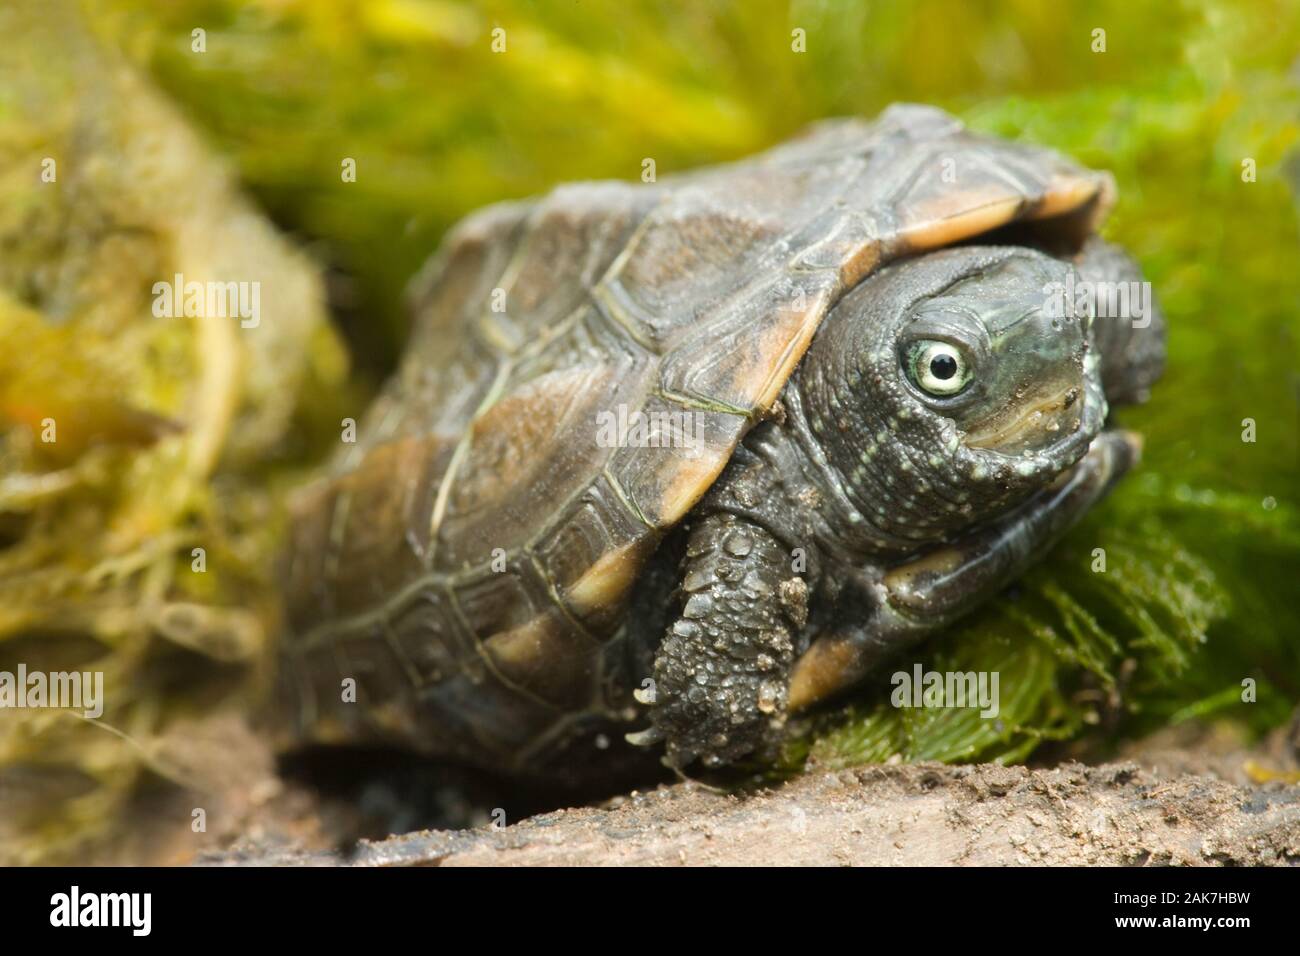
x=132, y=444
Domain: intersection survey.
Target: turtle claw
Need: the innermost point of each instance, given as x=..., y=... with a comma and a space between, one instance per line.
x=645, y=738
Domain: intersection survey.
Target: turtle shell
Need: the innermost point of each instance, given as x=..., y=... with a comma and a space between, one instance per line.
x=471, y=556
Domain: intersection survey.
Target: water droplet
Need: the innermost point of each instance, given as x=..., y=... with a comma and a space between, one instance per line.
x=698, y=605
x=738, y=544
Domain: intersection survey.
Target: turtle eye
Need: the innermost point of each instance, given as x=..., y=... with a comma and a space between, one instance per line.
x=938, y=368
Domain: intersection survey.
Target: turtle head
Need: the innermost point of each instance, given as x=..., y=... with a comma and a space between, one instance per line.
x=949, y=388
x=993, y=353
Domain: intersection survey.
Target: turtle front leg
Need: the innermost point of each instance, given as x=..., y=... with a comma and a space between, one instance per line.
x=722, y=672
x=915, y=599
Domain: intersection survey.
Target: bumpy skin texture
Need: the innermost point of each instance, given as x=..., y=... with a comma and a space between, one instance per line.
x=723, y=668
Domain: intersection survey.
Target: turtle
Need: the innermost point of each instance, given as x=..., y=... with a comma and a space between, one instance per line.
x=668, y=464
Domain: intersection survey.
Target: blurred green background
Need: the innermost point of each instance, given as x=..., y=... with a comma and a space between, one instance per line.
x=1203, y=542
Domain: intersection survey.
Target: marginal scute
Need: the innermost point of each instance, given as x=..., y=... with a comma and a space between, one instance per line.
x=501, y=601
x=310, y=511
x=607, y=580
x=981, y=214
x=1093, y=192
x=426, y=636
x=587, y=534
x=385, y=530
x=383, y=688
x=525, y=658
x=850, y=251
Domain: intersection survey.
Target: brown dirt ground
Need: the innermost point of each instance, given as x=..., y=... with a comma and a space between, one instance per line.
x=1184, y=797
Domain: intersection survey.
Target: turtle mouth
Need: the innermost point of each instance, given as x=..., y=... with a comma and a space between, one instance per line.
x=1035, y=425
x=1044, y=437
